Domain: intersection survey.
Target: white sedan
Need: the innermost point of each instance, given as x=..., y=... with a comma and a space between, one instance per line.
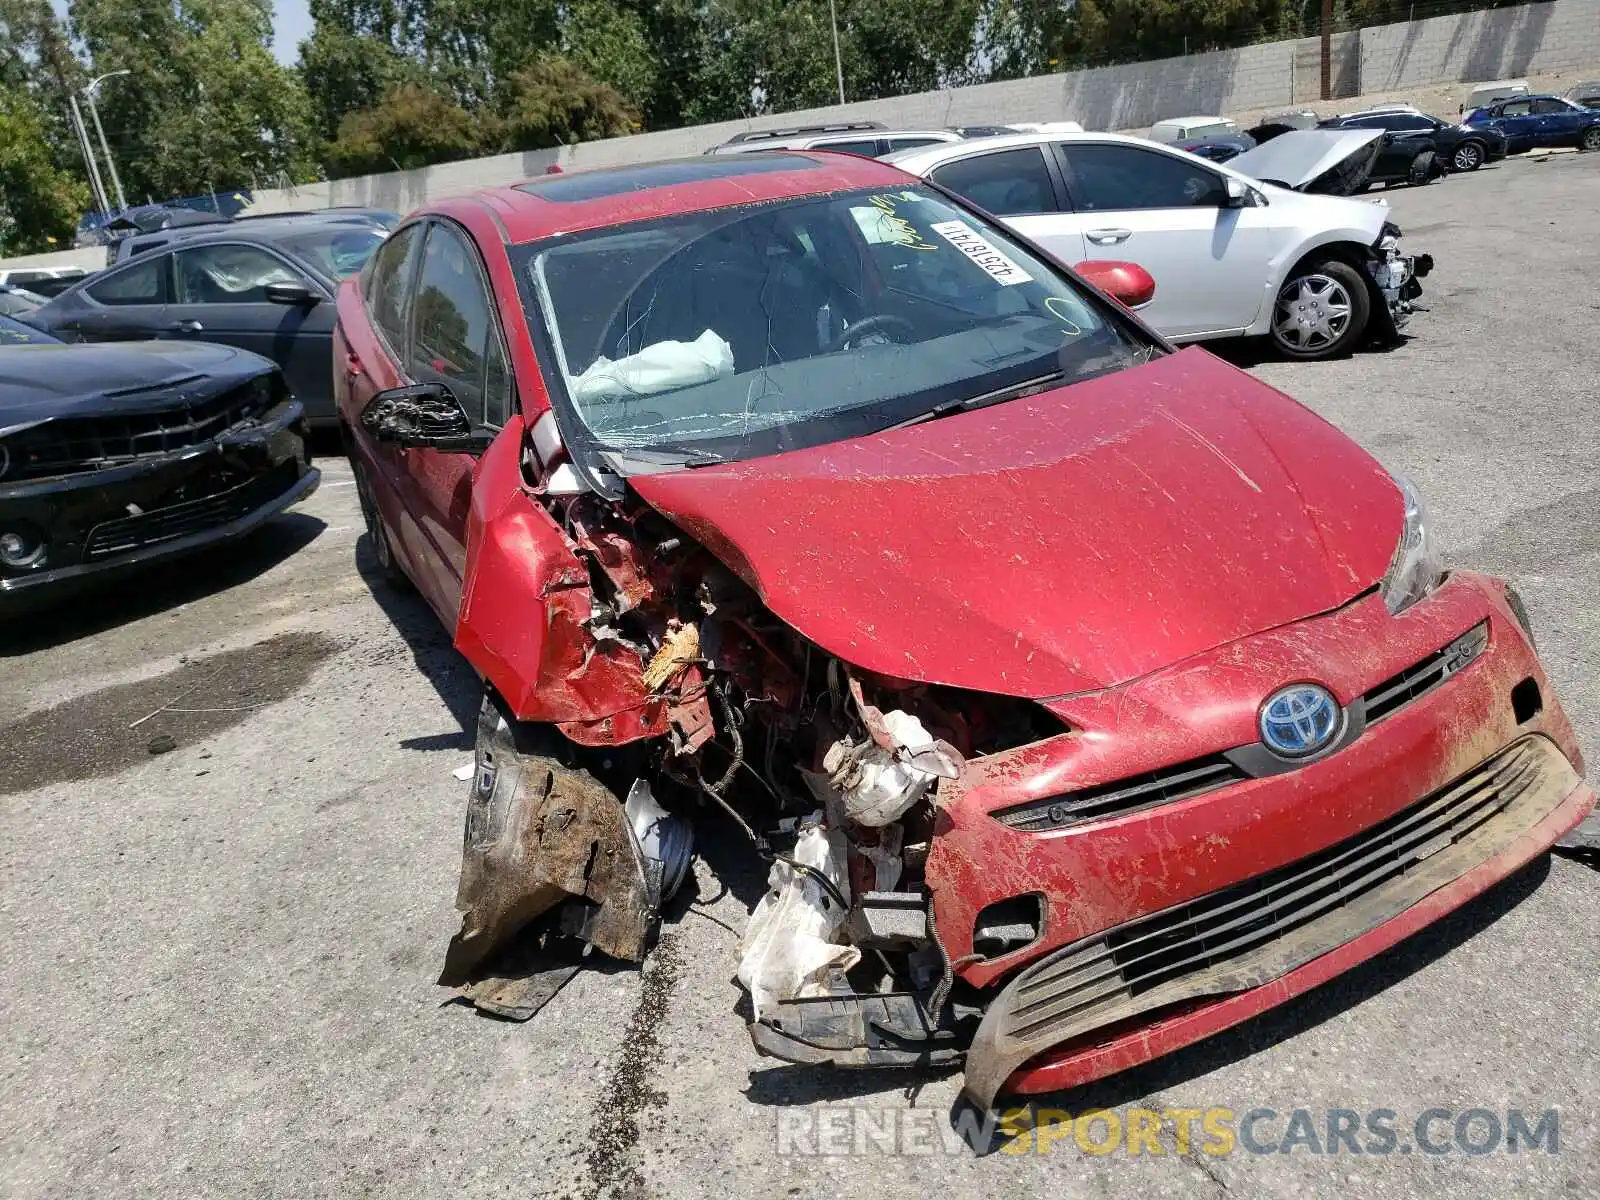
x=1231, y=256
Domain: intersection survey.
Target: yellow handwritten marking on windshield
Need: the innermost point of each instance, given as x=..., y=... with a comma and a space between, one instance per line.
x=1071, y=326
x=895, y=229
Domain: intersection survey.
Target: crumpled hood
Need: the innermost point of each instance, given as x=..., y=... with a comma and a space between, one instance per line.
x=1314, y=160
x=41, y=382
x=1060, y=543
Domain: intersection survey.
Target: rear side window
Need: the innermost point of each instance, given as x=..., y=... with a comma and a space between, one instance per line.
x=911, y=143
x=453, y=326
x=391, y=270
x=867, y=148
x=1009, y=183
x=1107, y=178
x=141, y=284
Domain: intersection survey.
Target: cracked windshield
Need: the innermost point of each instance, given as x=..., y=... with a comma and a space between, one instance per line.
x=742, y=332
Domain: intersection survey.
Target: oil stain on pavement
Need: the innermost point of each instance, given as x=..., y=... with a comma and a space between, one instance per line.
x=108, y=731
x=613, y=1157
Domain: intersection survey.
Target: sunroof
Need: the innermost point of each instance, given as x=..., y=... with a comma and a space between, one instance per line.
x=619, y=181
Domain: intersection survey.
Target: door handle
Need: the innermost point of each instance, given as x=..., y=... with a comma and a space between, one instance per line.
x=1108, y=237
x=189, y=326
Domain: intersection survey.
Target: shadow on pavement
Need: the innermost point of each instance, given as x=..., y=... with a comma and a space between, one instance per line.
x=162, y=586
x=431, y=651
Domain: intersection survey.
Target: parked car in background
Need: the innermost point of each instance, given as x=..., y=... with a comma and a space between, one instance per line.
x=115, y=458
x=1458, y=147
x=43, y=281
x=263, y=286
x=1142, y=696
x=1191, y=129
x=1298, y=118
x=870, y=139
x=1500, y=89
x=1586, y=94
x=1533, y=122
x=1231, y=256
x=370, y=218
x=1221, y=148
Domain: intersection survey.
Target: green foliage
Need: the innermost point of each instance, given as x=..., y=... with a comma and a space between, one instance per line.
x=411, y=126
x=553, y=101
x=39, y=203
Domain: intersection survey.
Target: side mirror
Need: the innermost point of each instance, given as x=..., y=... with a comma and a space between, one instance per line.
x=1129, y=284
x=424, y=416
x=1238, y=193
x=291, y=292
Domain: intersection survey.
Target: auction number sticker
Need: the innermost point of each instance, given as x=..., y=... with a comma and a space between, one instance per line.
x=965, y=239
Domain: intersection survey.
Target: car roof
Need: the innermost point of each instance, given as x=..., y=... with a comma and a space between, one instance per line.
x=924, y=158
x=578, y=201
x=1202, y=119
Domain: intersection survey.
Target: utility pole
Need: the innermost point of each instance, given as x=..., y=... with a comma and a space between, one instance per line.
x=838, y=63
x=88, y=157
x=94, y=112
x=1327, y=49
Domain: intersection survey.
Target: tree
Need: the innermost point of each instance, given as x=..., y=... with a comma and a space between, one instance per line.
x=205, y=106
x=411, y=126
x=39, y=203
x=554, y=102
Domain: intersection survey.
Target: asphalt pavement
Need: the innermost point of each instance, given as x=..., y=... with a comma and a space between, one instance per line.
x=217, y=963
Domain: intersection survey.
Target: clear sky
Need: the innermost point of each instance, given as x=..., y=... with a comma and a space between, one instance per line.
x=291, y=23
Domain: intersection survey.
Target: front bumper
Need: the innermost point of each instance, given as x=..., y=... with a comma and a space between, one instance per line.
x=1077, y=1004
x=102, y=525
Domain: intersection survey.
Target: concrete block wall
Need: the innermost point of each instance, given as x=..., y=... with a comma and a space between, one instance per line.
x=1495, y=43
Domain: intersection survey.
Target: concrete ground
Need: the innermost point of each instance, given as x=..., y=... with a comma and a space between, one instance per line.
x=216, y=964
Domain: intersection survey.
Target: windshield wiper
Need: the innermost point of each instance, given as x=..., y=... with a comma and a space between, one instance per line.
x=1028, y=387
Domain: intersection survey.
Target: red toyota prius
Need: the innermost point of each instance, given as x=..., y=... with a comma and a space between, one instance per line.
x=1083, y=696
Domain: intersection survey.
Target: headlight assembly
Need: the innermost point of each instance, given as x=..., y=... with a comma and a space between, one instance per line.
x=1416, y=568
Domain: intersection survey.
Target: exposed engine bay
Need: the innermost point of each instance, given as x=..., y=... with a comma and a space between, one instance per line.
x=575, y=841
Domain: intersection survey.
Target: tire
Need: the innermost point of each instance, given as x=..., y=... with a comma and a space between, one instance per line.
x=377, y=534
x=1421, y=170
x=1321, y=311
x=1468, y=156
x=1590, y=138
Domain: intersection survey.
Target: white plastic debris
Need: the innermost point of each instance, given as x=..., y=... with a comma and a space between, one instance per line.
x=879, y=785
x=657, y=368
x=465, y=771
x=796, y=933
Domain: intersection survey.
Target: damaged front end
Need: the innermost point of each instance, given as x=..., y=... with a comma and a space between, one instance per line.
x=1395, y=279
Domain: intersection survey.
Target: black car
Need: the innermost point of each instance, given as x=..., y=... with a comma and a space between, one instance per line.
x=263, y=286
x=116, y=457
x=1454, y=147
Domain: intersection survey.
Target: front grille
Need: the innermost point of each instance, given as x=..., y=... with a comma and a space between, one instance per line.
x=191, y=516
x=75, y=444
x=1098, y=979
x=1122, y=796
x=1421, y=678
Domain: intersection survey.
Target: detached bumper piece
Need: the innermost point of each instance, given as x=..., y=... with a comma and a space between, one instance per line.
x=848, y=1029
x=1247, y=935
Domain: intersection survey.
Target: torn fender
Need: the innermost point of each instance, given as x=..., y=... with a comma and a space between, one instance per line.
x=524, y=600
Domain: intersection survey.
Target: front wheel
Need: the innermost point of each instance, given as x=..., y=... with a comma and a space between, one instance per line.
x=1321, y=311
x=1590, y=139
x=1468, y=157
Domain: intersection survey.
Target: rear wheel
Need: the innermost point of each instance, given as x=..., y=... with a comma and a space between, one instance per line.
x=382, y=552
x=1321, y=311
x=1590, y=139
x=1468, y=156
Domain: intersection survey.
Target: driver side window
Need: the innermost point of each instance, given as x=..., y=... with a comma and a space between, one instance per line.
x=1106, y=178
